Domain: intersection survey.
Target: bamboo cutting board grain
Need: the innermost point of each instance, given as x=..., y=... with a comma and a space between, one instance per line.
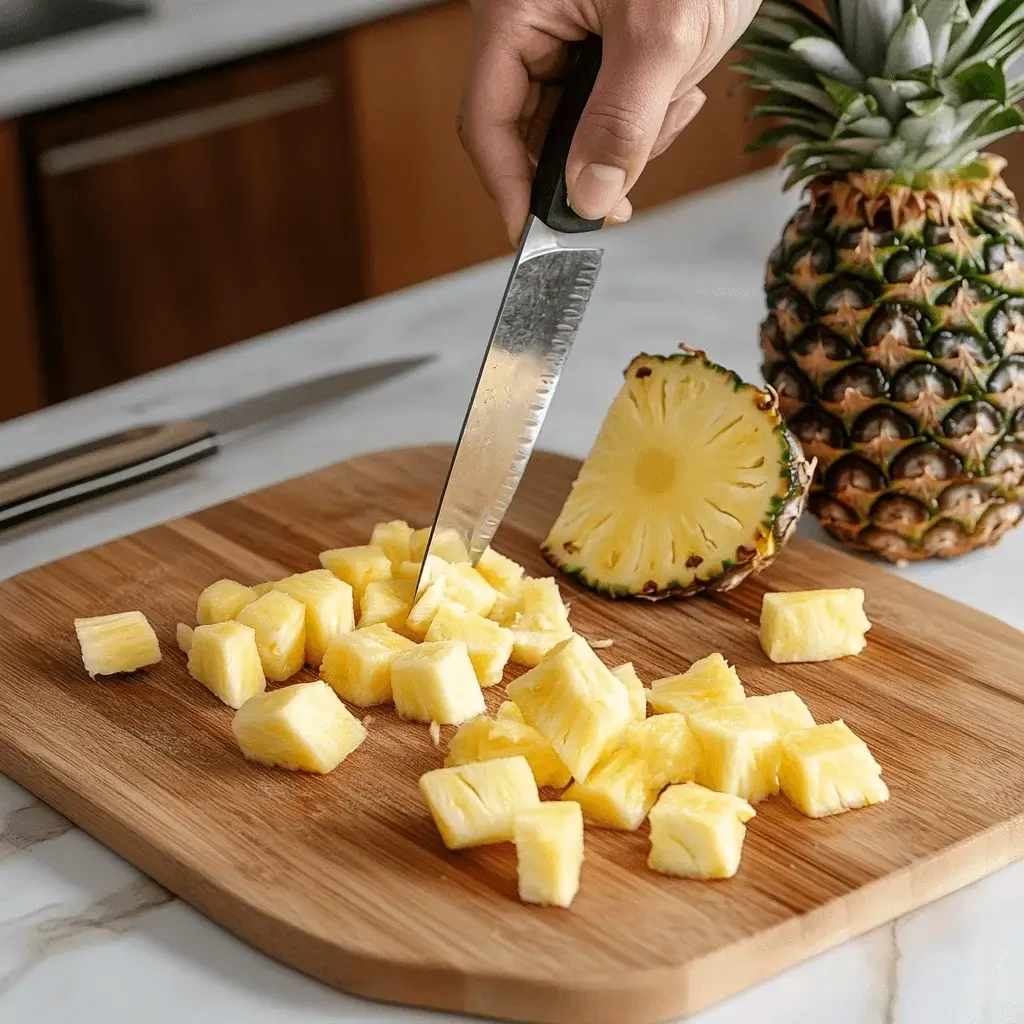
x=345, y=877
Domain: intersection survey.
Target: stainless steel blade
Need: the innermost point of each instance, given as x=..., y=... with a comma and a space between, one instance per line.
x=547, y=294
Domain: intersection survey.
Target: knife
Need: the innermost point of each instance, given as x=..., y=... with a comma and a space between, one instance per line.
x=548, y=290
x=119, y=460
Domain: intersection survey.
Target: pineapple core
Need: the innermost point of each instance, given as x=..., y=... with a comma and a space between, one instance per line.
x=222, y=601
x=114, y=644
x=828, y=769
x=280, y=625
x=303, y=727
x=357, y=665
x=387, y=601
x=490, y=646
x=626, y=675
x=549, y=853
x=710, y=682
x=696, y=833
x=394, y=539
x=435, y=682
x=739, y=752
x=813, y=625
x=357, y=566
x=785, y=712
x=667, y=745
x=225, y=659
x=476, y=804
x=482, y=739
x=618, y=792
x=329, y=608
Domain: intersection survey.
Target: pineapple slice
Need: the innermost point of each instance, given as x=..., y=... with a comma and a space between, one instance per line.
x=115, y=644
x=828, y=769
x=447, y=545
x=303, y=728
x=329, y=608
x=710, y=682
x=422, y=613
x=433, y=568
x=387, y=601
x=813, y=625
x=575, y=703
x=394, y=538
x=436, y=683
x=224, y=657
x=490, y=646
x=222, y=601
x=357, y=566
x=739, y=752
x=357, y=665
x=280, y=625
x=668, y=746
x=696, y=833
x=626, y=675
x=786, y=712
x=482, y=739
x=465, y=586
x=502, y=573
x=549, y=853
x=476, y=804
x=183, y=634
x=618, y=792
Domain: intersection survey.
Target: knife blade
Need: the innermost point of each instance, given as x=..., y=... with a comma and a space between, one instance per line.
x=104, y=464
x=548, y=290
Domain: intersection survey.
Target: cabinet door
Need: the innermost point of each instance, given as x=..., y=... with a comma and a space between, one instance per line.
x=193, y=213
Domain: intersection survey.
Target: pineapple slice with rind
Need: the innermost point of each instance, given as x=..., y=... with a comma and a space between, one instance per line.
x=394, y=538
x=739, y=752
x=813, y=625
x=549, y=853
x=668, y=746
x=490, y=646
x=697, y=833
x=626, y=675
x=575, y=703
x=432, y=569
x=183, y=635
x=436, y=683
x=224, y=657
x=828, y=769
x=387, y=601
x=422, y=613
x=484, y=739
x=476, y=804
x=618, y=792
x=280, y=625
x=303, y=727
x=222, y=601
x=710, y=682
x=786, y=712
x=447, y=545
x=357, y=665
x=502, y=573
x=116, y=644
x=357, y=566
x=329, y=608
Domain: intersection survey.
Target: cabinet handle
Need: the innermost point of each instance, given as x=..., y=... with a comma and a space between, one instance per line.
x=193, y=124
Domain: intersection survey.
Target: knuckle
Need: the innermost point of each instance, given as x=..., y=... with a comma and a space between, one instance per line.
x=618, y=128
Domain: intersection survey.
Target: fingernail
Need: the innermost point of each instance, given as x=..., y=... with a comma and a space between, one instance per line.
x=598, y=188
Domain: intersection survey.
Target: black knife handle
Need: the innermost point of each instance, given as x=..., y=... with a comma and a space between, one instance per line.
x=549, y=202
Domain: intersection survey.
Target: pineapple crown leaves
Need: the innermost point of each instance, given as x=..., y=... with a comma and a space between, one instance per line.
x=909, y=87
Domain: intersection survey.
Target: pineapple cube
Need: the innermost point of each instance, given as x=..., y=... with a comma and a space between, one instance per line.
x=531, y=646
x=222, y=601
x=668, y=746
x=626, y=675
x=541, y=606
x=786, y=712
x=113, y=644
x=303, y=727
x=465, y=586
x=225, y=659
x=710, y=682
x=357, y=566
x=280, y=625
x=696, y=833
x=508, y=711
x=357, y=665
x=259, y=589
x=549, y=853
x=394, y=538
x=508, y=605
x=739, y=752
x=436, y=683
x=422, y=613
x=476, y=804
x=433, y=568
x=481, y=739
x=618, y=791
x=502, y=573
x=387, y=601
x=575, y=703
x=828, y=769
x=490, y=646
x=183, y=634
x=813, y=625
x=447, y=545
x=329, y=608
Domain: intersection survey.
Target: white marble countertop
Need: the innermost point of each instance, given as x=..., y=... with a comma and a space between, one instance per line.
x=84, y=937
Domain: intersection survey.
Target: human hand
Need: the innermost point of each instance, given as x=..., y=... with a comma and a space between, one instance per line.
x=655, y=52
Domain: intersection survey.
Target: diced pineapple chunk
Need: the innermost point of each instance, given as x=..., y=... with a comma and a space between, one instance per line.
x=482, y=739
x=280, y=625
x=183, y=634
x=447, y=545
x=490, y=646
x=476, y=804
x=357, y=566
x=575, y=703
x=813, y=625
x=786, y=712
x=387, y=601
x=626, y=675
x=329, y=608
x=507, y=607
x=303, y=727
x=541, y=606
x=222, y=601
x=263, y=588
x=422, y=613
x=357, y=665
x=508, y=711
x=828, y=769
x=531, y=646
x=502, y=573
x=394, y=538
x=225, y=659
x=433, y=569
x=118, y=643
x=436, y=683
x=549, y=853
x=696, y=833
x=739, y=752
x=618, y=792
x=465, y=586
x=668, y=746
x=710, y=682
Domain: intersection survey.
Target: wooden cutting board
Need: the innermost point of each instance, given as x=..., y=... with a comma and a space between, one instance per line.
x=345, y=878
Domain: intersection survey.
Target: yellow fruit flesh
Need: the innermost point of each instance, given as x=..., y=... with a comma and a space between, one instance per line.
x=447, y=545
x=394, y=538
x=118, y=643
x=668, y=747
x=183, y=635
x=502, y=573
x=225, y=659
x=785, y=712
x=357, y=665
x=329, y=608
x=222, y=601
x=422, y=613
x=489, y=645
x=710, y=682
x=388, y=602
x=626, y=675
x=739, y=752
x=814, y=625
x=549, y=853
x=433, y=569
x=357, y=566
x=617, y=793
x=484, y=739
x=465, y=586
x=436, y=683
x=280, y=625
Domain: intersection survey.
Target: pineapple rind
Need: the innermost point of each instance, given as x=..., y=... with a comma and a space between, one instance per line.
x=116, y=644
x=225, y=658
x=484, y=739
x=357, y=665
x=710, y=682
x=435, y=682
x=329, y=608
x=739, y=752
x=489, y=645
x=813, y=626
x=549, y=853
x=222, y=601
x=280, y=625
x=618, y=792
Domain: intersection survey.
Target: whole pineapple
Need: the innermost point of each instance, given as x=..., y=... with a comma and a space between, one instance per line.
x=895, y=332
